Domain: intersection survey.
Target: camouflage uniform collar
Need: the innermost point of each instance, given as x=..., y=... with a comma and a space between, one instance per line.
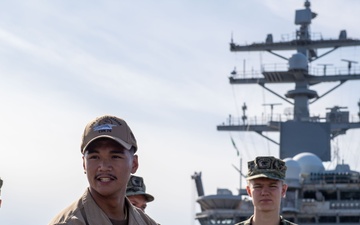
x=282, y=221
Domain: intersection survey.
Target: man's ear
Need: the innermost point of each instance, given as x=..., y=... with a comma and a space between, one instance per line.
x=283, y=190
x=84, y=167
x=135, y=164
x=248, y=190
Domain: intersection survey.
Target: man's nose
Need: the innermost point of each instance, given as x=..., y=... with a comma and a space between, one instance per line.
x=105, y=165
x=264, y=191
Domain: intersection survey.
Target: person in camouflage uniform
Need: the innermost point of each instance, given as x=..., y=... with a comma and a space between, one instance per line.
x=266, y=187
x=136, y=192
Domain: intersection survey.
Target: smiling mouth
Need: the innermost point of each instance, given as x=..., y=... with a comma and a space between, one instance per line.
x=106, y=178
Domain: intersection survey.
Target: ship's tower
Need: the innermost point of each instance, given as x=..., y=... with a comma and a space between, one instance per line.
x=302, y=132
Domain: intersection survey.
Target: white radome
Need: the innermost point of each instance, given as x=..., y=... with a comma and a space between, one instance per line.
x=293, y=168
x=309, y=163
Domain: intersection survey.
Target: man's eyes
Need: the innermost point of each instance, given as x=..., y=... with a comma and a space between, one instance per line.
x=271, y=186
x=95, y=156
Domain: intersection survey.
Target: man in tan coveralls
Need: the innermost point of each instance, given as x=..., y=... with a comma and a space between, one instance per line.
x=108, y=148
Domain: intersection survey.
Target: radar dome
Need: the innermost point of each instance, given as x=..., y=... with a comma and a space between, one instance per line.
x=298, y=61
x=309, y=163
x=293, y=169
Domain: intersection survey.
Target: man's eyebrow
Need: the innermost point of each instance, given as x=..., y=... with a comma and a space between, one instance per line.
x=121, y=151
x=275, y=182
x=115, y=151
x=89, y=151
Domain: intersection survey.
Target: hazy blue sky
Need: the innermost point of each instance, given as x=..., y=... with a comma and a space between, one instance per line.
x=161, y=65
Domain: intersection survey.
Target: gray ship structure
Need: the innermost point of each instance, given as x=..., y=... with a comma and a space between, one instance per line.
x=315, y=195
x=1, y=184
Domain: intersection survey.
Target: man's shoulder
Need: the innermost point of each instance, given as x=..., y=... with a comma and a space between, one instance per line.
x=66, y=214
x=245, y=222
x=286, y=222
x=70, y=212
x=289, y=223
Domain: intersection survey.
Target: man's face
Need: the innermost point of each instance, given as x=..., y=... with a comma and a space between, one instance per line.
x=108, y=166
x=266, y=193
x=138, y=201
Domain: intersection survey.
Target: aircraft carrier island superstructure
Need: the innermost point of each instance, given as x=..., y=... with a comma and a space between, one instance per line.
x=315, y=195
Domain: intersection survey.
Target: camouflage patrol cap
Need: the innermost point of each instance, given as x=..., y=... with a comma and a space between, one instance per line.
x=108, y=126
x=268, y=167
x=136, y=186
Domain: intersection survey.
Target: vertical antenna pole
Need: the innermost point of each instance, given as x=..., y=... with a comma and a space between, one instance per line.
x=240, y=175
